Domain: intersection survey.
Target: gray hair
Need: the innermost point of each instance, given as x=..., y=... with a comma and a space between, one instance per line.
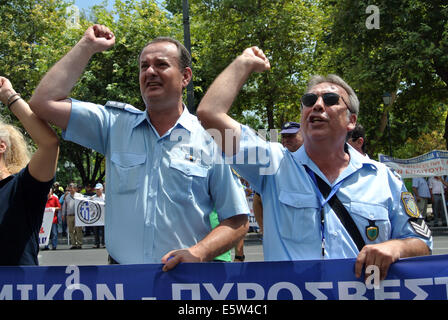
x=335, y=79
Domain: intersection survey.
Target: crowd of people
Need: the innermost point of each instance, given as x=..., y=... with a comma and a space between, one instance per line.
x=64, y=217
x=431, y=190
x=317, y=196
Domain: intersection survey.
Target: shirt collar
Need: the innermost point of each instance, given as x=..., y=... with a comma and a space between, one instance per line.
x=186, y=120
x=357, y=161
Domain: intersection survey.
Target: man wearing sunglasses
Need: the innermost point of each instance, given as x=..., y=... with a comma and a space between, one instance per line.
x=325, y=201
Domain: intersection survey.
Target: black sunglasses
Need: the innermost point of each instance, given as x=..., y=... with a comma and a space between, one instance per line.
x=330, y=99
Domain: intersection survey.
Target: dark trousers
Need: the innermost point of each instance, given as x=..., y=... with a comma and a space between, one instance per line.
x=99, y=234
x=111, y=260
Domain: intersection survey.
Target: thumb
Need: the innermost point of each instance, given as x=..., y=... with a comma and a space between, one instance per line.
x=170, y=261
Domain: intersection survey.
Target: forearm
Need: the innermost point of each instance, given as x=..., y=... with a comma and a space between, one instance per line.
x=222, y=238
x=213, y=108
x=411, y=247
x=57, y=84
x=40, y=131
x=42, y=165
x=225, y=88
x=49, y=100
x=384, y=254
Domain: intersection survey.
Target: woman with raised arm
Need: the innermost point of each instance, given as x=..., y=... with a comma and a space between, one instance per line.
x=24, y=179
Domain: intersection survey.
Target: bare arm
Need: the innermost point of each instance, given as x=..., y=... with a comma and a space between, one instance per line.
x=42, y=165
x=386, y=253
x=222, y=238
x=50, y=99
x=213, y=108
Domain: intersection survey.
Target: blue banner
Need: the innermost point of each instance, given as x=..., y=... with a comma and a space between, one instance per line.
x=413, y=278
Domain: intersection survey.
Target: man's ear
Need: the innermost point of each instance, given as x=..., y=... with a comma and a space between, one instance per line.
x=352, y=122
x=187, y=75
x=360, y=142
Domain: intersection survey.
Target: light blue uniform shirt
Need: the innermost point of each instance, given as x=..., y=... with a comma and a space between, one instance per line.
x=422, y=187
x=160, y=190
x=291, y=215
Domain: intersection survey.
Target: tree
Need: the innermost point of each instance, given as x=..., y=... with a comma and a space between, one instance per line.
x=285, y=30
x=34, y=36
x=406, y=56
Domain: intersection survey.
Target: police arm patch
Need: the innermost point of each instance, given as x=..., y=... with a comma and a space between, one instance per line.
x=409, y=204
x=420, y=227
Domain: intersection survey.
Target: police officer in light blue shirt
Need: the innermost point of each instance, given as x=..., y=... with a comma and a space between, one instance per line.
x=163, y=171
x=324, y=201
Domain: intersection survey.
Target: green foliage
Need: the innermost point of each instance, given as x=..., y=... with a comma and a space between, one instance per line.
x=285, y=30
x=406, y=56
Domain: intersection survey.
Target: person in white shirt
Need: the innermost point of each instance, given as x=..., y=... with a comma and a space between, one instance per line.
x=436, y=188
x=99, y=196
x=68, y=213
x=422, y=194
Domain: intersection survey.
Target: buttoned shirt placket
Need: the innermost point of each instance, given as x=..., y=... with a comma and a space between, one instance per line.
x=153, y=166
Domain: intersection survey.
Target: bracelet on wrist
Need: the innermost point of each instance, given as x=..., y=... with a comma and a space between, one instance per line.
x=11, y=103
x=12, y=96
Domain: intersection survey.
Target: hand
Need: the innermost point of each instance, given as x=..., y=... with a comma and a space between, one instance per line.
x=256, y=56
x=6, y=90
x=381, y=255
x=173, y=258
x=99, y=38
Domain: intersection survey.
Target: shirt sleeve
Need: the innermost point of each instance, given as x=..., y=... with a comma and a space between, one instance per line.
x=256, y=158
x=231, y=202
x=34, y=192
x=88, y=125
x=404, y=223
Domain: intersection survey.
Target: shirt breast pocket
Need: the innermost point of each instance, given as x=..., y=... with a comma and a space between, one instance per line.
x=372, y=221
x=184, y=177
x=129, y=169
x=300, y=222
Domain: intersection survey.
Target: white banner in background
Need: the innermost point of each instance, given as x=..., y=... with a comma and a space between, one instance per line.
x=89, y=213
x=434, y=163
x=45, y=229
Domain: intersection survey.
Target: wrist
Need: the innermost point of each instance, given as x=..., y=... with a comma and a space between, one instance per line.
x=245, y=63
x=199, y=252
x=87, y=47
x=12, y=99
x=7, y=96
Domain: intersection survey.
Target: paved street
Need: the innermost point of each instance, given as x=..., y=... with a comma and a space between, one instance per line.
x=253, y=251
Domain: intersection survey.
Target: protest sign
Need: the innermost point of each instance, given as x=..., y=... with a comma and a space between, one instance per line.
x=416, y=278
x=45, y=229
x=434, y=163
x=89, y=213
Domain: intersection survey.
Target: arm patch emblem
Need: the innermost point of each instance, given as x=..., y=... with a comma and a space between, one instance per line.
x=409, y=204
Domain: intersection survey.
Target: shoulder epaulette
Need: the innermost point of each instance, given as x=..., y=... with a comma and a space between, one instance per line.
x=115, y=104
x=122, y=106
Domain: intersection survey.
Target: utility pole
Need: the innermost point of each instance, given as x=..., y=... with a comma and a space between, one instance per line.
x=186, y=19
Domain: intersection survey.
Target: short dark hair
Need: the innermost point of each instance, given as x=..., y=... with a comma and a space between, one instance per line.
x=357, y=133
x=184, y=56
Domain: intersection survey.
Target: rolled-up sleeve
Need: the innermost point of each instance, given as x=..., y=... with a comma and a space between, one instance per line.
x=227, y=192
x=256, y=158
x=88, y=125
